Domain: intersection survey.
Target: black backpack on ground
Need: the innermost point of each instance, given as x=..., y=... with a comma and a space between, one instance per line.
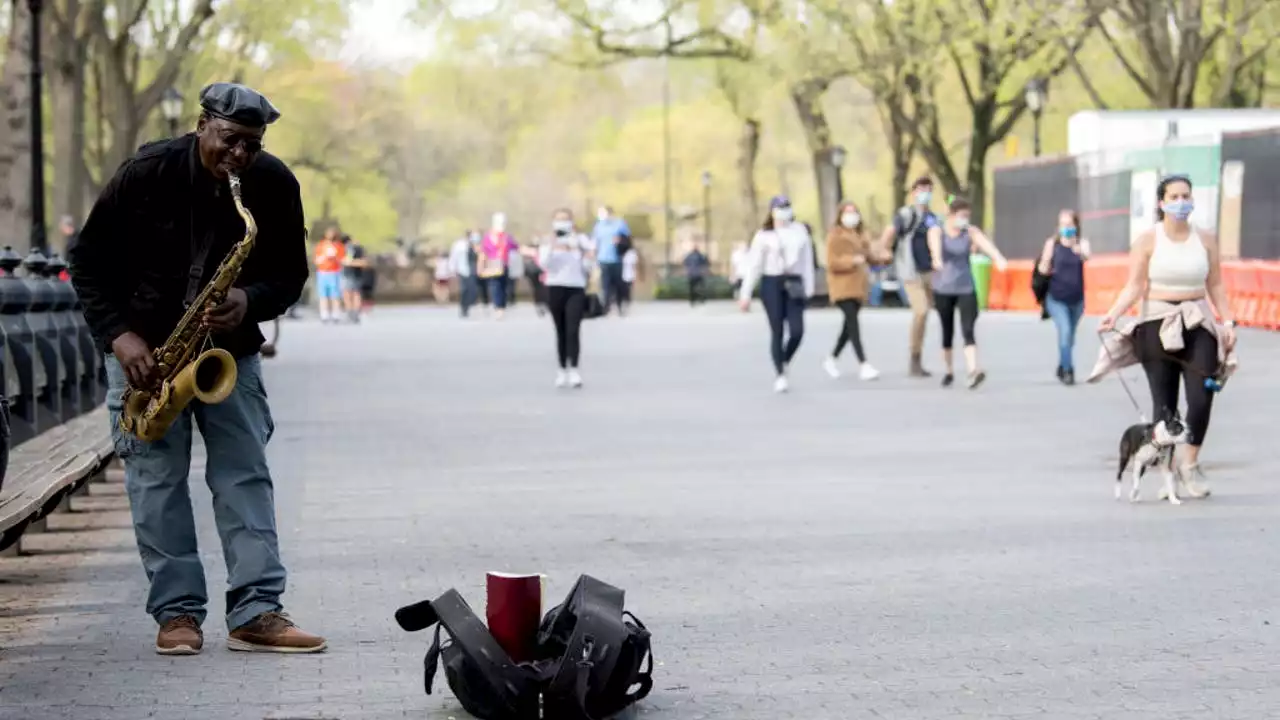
x=591, y=654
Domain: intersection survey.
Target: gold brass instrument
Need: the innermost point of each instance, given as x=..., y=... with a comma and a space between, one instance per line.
x=188, y=369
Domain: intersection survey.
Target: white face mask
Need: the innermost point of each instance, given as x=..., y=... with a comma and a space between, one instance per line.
x=961, y=223
x=850, y=219
x=783, y=214
x=602, y=214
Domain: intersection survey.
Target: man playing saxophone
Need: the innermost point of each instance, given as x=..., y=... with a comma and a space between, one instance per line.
x=156, y=237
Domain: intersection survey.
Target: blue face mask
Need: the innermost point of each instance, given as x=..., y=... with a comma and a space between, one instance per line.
x=1178, y=209
x=1068, y=232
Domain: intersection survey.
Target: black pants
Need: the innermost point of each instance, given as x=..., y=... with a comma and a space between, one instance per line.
x=850, y=332
x=786, y=318
x=611, y=284
x=697, y=290
x=538, y=290
x=1163, y=369
x=947, y=306
x=567, y=305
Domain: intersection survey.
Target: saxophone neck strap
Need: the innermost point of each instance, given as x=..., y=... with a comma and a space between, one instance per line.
x=201, y=243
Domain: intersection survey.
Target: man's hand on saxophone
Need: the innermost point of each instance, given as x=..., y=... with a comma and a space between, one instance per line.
x=230, y=313
x=136, y=358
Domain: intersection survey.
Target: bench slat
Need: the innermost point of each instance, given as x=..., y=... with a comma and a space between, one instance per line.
x=51, y=462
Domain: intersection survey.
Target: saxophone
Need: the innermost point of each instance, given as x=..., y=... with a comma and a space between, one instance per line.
x=188, y=370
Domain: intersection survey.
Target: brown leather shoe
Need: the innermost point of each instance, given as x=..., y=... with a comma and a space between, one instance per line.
x=274, y=632
x=180, y=636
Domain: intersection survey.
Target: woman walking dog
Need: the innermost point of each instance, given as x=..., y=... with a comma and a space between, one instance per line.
x=781, y=258
x=849, y=253
x=1175, y=270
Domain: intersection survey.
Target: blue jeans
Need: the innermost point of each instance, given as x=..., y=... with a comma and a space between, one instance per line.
x=469, y=292
x=498, y=290
x=786, y=320
x=235, y=433
x=1066, y=318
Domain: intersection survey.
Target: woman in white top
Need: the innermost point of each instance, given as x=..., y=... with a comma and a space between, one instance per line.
x=1174, y=267
x=630, y=264
x=564, y=259
x=781, y=259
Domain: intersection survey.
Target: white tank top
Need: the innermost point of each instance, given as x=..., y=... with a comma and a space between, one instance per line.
x=1178, y=267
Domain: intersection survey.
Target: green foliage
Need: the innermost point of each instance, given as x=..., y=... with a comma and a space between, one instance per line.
x=676, y=287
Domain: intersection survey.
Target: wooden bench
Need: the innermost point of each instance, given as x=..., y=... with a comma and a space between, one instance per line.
x=45, y=471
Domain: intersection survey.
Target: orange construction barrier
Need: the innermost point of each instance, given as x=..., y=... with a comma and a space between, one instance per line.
x=998, y=293
x=1268, y=313
x=1018, y=278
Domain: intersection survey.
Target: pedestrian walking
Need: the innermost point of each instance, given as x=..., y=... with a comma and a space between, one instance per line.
x=462, y=262
x=630, y=273
x=443, y=277
x=908, y=238
x=951, y=245
x=612, y=239
x=133, y=270
x=566, y=258
x=1176, y=338
x=354, y=265
x=495, y=252
x=696, y=266
x=781, y=259
x=329, y=254
x=1062, y=263
x=849, y=256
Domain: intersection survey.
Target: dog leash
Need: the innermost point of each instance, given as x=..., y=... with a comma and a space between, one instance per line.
x=1123, y=382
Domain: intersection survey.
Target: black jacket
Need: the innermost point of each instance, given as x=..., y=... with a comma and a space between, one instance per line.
x=131, y=263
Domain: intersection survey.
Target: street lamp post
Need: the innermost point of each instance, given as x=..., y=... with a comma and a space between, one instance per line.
x=838, y=156
x=1036, y=93
x=38, y=237
x=706, y=210
x=171, y=108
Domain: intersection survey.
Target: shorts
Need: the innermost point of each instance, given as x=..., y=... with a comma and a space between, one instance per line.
x=350, y=282
x=329, y=285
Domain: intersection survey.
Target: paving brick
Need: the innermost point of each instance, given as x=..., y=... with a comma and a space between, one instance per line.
x=888, y=550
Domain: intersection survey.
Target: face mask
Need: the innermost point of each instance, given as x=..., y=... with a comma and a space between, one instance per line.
x=603, y=214
x=1178, y=209
x=562, y=227
x=1068, y=232
x=850, y=219
x=923, y=197
x=782, y=214
x=961, y=223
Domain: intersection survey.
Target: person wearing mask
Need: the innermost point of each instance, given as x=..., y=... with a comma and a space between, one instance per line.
x=849, y=255
x=950, y=246
x=330, y=252
x=695, y=270
x=908, y=239
x=781, y=259
x=495, y=253
x=565, y=258
x=1062, y=261
x=354, y=265
x=1176, y=338
x=462, y=262
x=612, y=239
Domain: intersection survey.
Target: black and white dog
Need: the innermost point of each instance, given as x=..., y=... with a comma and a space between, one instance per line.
x=1148, y=445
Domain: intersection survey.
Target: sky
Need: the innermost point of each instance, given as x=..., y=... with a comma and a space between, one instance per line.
x=381, y=33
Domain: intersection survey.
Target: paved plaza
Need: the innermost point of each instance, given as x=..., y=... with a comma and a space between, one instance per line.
x=849, y=550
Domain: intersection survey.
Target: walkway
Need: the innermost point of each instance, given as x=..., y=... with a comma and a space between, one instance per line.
x=846, y=551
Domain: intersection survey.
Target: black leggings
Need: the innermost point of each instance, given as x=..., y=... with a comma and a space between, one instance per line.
x=567, y=305
x=947, y=306
x=1163, y=370
x=783, y=312
x=849, y=332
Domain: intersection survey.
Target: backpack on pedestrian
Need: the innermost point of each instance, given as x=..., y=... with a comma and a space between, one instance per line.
x=593, y=658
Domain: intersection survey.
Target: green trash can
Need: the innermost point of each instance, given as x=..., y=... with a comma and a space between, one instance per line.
x=981, y=265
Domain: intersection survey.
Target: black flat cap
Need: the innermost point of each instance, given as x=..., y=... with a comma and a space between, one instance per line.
x=238, y=104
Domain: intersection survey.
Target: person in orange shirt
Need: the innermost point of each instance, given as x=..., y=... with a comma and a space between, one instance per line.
x=330, y=252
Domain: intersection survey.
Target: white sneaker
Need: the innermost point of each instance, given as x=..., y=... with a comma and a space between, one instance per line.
x=575, y=380
x=781, y=385
x=868, y=372
x=1192, y=481
x=829, y=364
x=562, y=380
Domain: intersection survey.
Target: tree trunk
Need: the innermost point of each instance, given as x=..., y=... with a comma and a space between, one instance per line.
x=748, y=153
x=67, y=105
x=15, y=143
x=807, y=97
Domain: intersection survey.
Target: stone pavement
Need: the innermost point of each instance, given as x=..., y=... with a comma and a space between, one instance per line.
x=849, y=550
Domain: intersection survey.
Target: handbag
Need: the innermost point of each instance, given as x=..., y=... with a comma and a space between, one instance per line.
x=793, y=287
